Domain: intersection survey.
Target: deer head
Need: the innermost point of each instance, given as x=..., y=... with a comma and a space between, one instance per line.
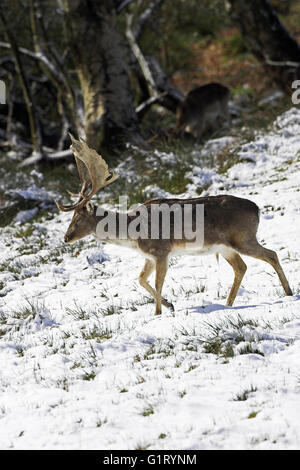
x=94, y=175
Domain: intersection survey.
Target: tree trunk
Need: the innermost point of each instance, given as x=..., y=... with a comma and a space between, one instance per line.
x=268, y=40
x=54, y=70
x=97, y=52
x=34, y=124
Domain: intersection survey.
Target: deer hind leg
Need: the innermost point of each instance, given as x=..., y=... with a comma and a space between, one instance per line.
x=256, y=250
x=239, y=268
x=161, y=270
x=147, y=270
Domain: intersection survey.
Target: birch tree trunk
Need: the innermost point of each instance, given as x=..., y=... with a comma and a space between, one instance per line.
x=268, y=40
x=97, y=52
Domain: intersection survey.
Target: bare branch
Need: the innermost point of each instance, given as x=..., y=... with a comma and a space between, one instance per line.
x=141, y=108
x=145, y=16
x=39, y=56
x=286, y=63
x=140, y=57
x=160, y=89
x=48, y=155
x=123, y=4
x=172, y=96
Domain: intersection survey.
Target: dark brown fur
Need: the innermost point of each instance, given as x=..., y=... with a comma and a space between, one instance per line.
x=207, y=104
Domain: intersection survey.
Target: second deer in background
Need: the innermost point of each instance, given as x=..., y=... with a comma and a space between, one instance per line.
x=204, y=105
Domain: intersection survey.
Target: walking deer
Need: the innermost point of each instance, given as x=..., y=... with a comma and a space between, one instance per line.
x=204, y=105
x=230, y=226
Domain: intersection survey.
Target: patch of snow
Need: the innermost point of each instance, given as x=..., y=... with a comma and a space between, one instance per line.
x=154, y=191
x=25, y=216
x=96, y=257
x=32, y=193
x=82, y=354
x=271, y=99
x=214, y=146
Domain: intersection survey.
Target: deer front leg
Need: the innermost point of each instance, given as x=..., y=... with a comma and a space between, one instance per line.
x=239, y=268
x=147, y=270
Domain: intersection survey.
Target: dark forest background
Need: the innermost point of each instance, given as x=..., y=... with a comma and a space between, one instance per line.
x=114, y=73
x=90, y=67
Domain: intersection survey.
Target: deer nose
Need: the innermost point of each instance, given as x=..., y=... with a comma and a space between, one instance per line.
x=66, y=238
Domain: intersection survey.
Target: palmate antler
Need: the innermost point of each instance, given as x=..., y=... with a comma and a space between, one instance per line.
x=93, y=171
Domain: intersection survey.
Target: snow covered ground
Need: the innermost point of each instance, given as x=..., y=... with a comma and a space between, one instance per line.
x=85, y=364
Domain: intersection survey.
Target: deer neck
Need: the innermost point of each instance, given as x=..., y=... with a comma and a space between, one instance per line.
x=111, y=227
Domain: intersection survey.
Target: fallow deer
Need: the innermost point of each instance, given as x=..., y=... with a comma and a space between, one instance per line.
x=202, y=106
x=230, y=226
